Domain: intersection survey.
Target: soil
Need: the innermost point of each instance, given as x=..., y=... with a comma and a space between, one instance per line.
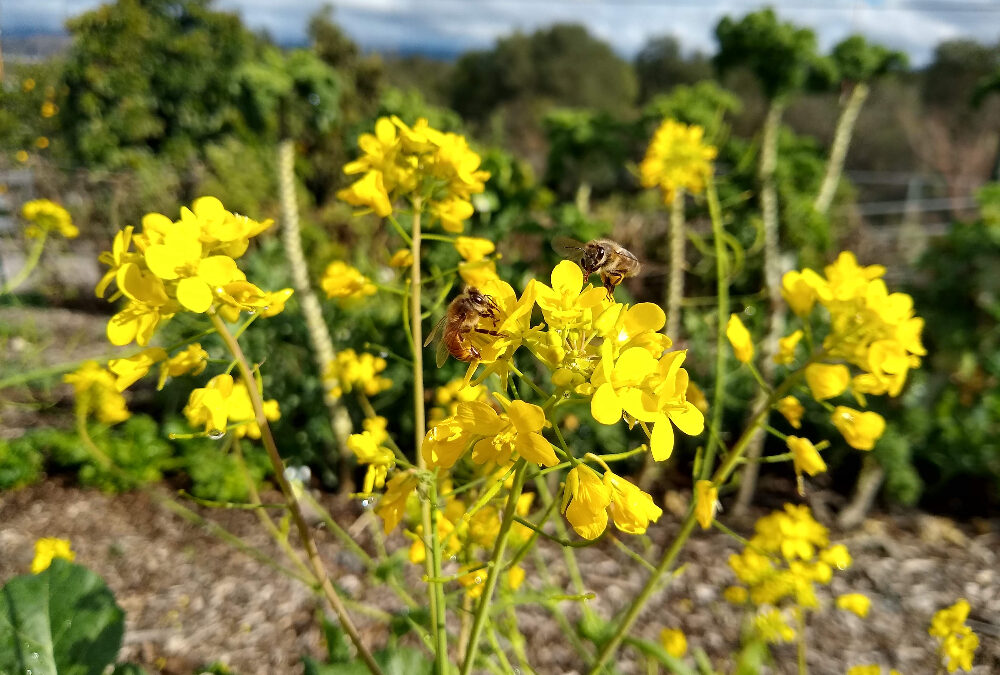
x=191, y=599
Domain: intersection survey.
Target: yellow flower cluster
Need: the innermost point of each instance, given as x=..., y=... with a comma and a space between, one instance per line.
x=958, y=643
x=674, y=642
x=350, y=371
x=188, y=264
x=224, y=405
x=400, y=161
x=46, y=216
x=589, y=498
x=48, y=549
x=97, y=392
x=345, y=283
x=476, y=269
x=369, y=448
x=192, y=360
x=451, y=394
x=788, y=554
x=677, y=158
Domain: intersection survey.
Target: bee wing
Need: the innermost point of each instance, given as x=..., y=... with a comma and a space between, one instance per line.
x=438, y=330
x=441, y=355
x=568, y=248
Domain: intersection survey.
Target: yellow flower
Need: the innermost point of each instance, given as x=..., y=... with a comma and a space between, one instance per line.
x=367, y=447
x=344, y=282
x=805, y=456
x=48, y=549
x=49, y=109
x=958, y=643
x=706, y=501
x=585, y=502
x=473, y=248
x=674, y=642
x=772, y=627
x=855, y=602
x=516, y=430
x=786, y=348
x=801, y=290
x=792, y=410
x=739, y=338
x=96, y=392
x=47, y=216
x=223, y=402
x=392, y=506
x=41, y=142
x=444, y=443
x=859, y=429
x=130, y=370
x=632, y=510
x=351, y=370
x=837, y=556
x=369, y=191
x=21, y=156
x=736, y=595
x=401, y=258
x=190, y=361
x=826, y=381
x=479, y=273
x=677, y=158
x=567, y=304
x=28, y=84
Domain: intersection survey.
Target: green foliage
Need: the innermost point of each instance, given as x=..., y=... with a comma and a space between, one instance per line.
x=64, y=619
x=20, y=463
x=704, y=103
x=857, y=60
x=988, y=199
x=660, y=66
x=393, y=660
x=781, y=55
x=587, y=147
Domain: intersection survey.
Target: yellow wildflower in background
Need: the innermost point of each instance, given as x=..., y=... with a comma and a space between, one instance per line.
x=792, y=410
x=855, y=602
x=401, y=258
x=786, y=348
x=351, y=370
x=585, y=502
x=805, y=456
x=772, y=626
x=677, y=158
x=46, y=216
x=343, y=282
x=739, y=338
x=28, y=84
x=473, y=249
x=448, y=396
x=48, y=549
x=223, y=403
x=706, y=501
x=96, y=392
x=392, y=506
x=827, y=381
x=21, y=156
x=859, y=429
x=130, y=370
x=674, y=642
x=957, y=642
x=42, y=142
x=369, y=449
x=192, y=360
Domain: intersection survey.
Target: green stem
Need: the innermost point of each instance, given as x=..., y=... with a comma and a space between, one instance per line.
x=432, y=562
x=721, y=348
x=800, y=619
x=499, y=548
x=278, y=466
x=30, y=263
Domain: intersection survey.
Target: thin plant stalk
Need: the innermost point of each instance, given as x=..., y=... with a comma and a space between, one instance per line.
x=278, y=466
x=496, y=568
x=721, y=348
x=30, y=263
x=433, y=559
x=838, y=150
x=675, y=284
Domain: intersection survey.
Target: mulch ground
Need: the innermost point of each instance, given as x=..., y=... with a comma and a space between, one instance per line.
x=191, y=599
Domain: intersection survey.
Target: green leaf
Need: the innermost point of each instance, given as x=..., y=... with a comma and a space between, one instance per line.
x=63, y=620
x=337, y=649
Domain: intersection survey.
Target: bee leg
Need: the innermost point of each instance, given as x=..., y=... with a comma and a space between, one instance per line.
x=474, y=352
x=488, y=332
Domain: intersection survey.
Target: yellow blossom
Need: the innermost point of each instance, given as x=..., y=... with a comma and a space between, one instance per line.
x=344, y=282
x=96, y=392
x=28, y=84
x=739, y=338
x=41, y=142
x=706, y=501
x=49, y=109
x=190, y=361
x=792, y=410
x=673, y=642
x=958, y=643
x=859, y=429
x=223, y=403
x=401, y=258
x=392, y=506
x=473, y=249
x=47, y=216
x=632, y=510
x=367, y=447
x=801, y=290
x=772, y=627
x=518, y=430
x=130, y=370
x=585, y=502
x=805, y=456
x=826, y=381
x=21, y=156
x=786, y=348
x=351, y=370
x=855, y=602
x=48, y=549
x=677, y=158
x=736, y=595
x=478, y=273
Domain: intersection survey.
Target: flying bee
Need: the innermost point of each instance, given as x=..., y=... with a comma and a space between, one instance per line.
x=461, y=319
x=612, y=261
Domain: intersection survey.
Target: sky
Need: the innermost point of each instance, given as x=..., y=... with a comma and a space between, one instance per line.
x=448, y=27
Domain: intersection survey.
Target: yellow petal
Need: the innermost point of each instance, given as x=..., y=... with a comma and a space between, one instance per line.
x=644, y=316
x=567, y=279
x=526, y=417
x=661, y=442
x=534, y=448
x=194, y=294
x=691, y=421
x=606, y=407
x=218, y=270
x=479, y=418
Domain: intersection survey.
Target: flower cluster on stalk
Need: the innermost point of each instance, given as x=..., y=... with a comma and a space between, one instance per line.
x=677, y=159
x=957, y=643
x=45, y=216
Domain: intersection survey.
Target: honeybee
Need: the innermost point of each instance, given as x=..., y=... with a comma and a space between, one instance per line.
x=461, y=319
x=613, y=261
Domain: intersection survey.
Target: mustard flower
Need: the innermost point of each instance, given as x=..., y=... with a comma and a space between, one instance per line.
x=801, y=290
x=706, y=502
x=855, y=602
x=46, y=216
x=677, y=158
x=190, y=361
x=444, y=443
x=222, y=403
x=478, y=273
x=632, y=510
x=96, y=391
x=567, y=304
x=401, y=258
x=792, y=410
x=344, y=282
x=351, y=370
x=48, y=549
x=859, y=429
x=827, y=381
x=805, y=456
x=368, y=448
x=49, y=109
x=448, y=396
x=392, y=506
x=42, y=142
x=735, y=595
x=517, y=430
x=739, y=338
x=585, y=502
x=130, y=370
x=369, y=191
x=958, y=643
x=786, y=348
x=673, y=642
x=772, y=626
x=473, y=249
x=21, y=156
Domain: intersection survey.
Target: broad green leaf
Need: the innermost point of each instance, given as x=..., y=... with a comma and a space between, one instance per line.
x=62, y=621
